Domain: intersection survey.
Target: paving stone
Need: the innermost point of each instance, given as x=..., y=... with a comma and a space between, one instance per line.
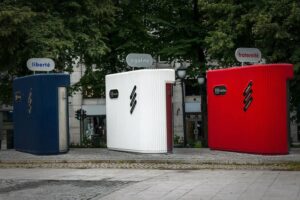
x=147, y=184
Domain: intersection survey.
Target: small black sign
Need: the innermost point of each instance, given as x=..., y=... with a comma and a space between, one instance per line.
x=220, y=90
x=113, y=94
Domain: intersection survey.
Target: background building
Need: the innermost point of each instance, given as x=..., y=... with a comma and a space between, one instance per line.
x=6, y=127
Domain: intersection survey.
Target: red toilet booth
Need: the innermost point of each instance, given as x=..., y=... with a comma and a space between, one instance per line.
x=248, y=108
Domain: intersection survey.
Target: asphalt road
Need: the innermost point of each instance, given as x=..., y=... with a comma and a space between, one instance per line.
x=122, y=184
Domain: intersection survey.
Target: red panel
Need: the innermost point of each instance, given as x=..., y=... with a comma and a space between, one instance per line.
x=169, y=117
x=255, y=122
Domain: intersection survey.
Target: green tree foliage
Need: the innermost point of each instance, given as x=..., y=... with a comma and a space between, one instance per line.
x=65, y=31
x=12, y=28
x=177, y=25
x=277, y=34
x=169, y=29
x=129, y=33
x=104, y=32
x=270, y=25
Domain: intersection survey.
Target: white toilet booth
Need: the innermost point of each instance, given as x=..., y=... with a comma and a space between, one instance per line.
x=139, y=110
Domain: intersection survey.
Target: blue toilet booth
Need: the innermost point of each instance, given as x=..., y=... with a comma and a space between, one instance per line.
x=41, y=113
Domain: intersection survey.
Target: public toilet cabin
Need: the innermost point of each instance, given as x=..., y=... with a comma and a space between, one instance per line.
x=41, y=113
x=139, y=111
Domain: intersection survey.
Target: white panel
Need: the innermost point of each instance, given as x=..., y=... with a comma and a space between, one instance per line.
x=94, y=109
x=94, y=101
x=192, y=107
x=62, y=119
x=145, y=130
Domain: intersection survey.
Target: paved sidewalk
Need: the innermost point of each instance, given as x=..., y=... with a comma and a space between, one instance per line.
x=183, y=158
x=131, y=184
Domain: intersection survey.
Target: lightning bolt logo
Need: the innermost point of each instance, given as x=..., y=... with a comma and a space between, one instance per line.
x=248, y=96
x=29, y=101
x=133, y=101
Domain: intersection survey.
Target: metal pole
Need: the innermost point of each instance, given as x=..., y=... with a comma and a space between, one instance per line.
x=201, y=134
x=81, y=121
x=81, y=126
x=1, y=127
x=204, y=115
x=81, y=131
x=183, y=113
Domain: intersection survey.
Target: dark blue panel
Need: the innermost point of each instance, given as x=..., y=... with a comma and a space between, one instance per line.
x=36, y=112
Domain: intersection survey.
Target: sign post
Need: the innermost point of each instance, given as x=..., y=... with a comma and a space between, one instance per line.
x=250, y=55
x=139, y=60
x=40, y=64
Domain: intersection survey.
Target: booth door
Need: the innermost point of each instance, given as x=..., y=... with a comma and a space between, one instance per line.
x=62, y=119
x=169, y=117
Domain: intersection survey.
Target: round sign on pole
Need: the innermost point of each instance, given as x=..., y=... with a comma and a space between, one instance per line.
x=139, y=60
x=40, y=64
x=251, y=55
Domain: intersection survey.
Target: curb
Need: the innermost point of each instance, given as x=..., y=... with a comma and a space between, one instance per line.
x=149, y=164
